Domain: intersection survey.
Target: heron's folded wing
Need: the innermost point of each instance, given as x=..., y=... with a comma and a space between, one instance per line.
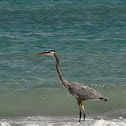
x=85, y=92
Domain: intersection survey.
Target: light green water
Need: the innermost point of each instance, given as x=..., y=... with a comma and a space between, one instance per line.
x=57, y=102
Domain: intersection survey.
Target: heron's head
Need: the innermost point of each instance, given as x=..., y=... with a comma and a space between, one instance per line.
x=49, y=52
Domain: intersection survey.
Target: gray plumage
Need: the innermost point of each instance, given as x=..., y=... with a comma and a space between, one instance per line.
x=84, y=92
x=79, y=91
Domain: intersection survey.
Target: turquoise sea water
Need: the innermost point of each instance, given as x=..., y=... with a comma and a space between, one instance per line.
x=90, y=38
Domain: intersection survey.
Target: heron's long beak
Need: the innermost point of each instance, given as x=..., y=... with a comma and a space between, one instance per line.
x=43, y=53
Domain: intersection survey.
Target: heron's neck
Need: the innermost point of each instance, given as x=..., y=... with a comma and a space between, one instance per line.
x=58, y=70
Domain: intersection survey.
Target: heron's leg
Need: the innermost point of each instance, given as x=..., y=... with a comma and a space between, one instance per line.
x=79, y=102
x=80, y=113
x=83, y=109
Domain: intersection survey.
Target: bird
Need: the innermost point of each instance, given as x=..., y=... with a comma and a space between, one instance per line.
x=79, y=91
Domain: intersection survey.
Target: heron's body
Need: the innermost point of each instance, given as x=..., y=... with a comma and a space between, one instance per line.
x=84, y=92
x=79, y=91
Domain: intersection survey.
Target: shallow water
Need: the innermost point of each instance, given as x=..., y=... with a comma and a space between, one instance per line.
x=61, y=121
x=57, y=102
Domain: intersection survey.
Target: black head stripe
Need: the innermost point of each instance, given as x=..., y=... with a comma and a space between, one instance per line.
x=52, y=50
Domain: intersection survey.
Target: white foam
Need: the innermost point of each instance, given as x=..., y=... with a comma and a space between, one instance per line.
x=108, y=123
x=4, y=124
x=60, y=121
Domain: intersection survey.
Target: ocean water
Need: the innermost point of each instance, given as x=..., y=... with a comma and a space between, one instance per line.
x=90, y=38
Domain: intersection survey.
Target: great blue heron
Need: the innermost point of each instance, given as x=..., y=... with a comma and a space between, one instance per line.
x=79, y=91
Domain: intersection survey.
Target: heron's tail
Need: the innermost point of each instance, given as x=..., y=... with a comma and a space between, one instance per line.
x=104, y=98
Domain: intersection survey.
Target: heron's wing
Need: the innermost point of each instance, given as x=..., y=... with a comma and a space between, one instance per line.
x=84, y=92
